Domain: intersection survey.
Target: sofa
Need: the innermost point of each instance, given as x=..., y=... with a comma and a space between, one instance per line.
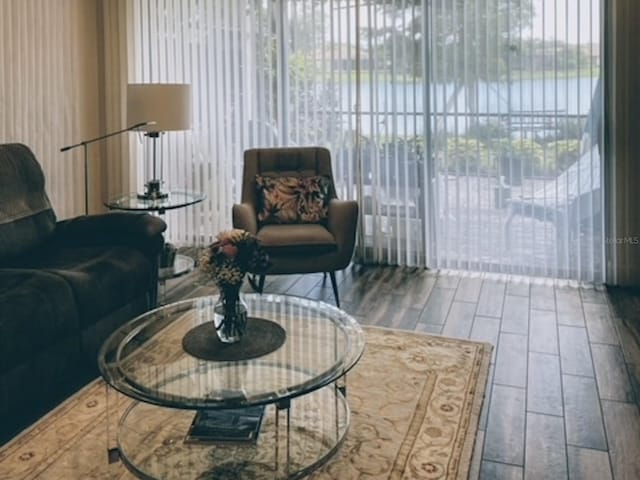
x=64, y=287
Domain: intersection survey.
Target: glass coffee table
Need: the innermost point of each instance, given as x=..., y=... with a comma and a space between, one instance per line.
x=301, y=384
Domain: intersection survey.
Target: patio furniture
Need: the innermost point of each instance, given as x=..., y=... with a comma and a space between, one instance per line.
x=569, y=201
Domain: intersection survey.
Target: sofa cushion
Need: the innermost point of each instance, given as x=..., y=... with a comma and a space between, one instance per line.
x=301, y=238
x=102, y=278
x=36, y=309
x=26, y=217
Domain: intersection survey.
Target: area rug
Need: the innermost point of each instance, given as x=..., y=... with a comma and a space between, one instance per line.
x=415, y=403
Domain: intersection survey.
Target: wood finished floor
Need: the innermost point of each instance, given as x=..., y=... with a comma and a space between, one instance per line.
x=563, y=399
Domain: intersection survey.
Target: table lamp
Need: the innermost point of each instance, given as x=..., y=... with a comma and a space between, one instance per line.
x=168, y=105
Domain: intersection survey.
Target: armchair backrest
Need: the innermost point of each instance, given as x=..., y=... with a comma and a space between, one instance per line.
x=284, y=162
x=26, y=216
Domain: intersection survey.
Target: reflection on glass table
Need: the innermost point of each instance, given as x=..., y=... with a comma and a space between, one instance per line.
x=174, y=199
x=302, y=385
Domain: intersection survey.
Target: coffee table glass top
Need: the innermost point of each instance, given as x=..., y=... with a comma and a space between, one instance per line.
x=145, y=360
x=174, y=199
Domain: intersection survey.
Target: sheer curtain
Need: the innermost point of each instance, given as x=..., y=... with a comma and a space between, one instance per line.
x=468, y=130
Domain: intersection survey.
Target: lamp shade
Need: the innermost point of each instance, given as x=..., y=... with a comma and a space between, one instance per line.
x=166, y=104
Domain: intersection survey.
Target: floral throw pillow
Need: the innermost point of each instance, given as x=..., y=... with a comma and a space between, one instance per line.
x=293, y=199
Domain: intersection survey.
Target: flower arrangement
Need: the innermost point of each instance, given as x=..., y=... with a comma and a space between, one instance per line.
x=227, y=261
x=235, y=253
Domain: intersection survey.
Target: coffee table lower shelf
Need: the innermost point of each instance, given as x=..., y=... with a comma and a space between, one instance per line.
x=292, y=442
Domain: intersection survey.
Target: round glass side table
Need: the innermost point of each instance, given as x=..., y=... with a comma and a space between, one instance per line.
x=174, y=199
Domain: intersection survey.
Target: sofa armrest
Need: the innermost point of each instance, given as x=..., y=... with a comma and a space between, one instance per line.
x=343, y=223
x=139, y=230
x=245, y=217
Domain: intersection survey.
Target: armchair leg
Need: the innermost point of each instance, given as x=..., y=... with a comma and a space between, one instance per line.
x=259, y=286
x=334, y=284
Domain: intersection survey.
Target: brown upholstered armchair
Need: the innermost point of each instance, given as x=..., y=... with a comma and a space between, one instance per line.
x=324, y=246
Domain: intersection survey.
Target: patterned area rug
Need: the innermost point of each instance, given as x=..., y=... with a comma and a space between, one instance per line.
x=415, y=402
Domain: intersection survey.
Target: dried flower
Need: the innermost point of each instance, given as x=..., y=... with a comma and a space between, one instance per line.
x=235, y=253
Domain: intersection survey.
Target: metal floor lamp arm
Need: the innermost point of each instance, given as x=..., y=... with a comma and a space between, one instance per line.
x=84, y=144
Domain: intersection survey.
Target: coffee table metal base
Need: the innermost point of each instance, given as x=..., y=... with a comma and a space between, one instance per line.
x=293, y=441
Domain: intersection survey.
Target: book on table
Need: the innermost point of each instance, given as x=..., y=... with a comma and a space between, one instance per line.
x=233, y=425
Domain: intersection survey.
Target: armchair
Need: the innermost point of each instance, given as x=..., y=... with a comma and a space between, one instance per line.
x=320, y=245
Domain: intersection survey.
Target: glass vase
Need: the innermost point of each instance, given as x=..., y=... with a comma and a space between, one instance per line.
x=230, y=315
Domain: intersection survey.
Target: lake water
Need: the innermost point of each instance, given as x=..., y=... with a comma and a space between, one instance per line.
x=544, y=96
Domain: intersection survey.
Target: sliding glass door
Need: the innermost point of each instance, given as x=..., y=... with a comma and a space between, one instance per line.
x=516, y=111
x=468, y=130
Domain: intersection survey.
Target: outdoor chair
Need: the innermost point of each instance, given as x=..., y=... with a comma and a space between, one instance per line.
x=568, y=201
x=289, y=202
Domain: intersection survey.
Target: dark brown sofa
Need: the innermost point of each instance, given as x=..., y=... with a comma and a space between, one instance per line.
x=64, y=287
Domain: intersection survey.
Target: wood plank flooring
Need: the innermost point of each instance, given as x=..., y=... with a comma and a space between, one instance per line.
x=563, y=400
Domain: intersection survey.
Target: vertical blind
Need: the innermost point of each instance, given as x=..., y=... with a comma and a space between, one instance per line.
x=468, y=130
x=116, y=172
x=48, y=89
x=226, y=51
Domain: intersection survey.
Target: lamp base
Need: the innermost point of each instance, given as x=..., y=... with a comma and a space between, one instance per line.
x=153, y=191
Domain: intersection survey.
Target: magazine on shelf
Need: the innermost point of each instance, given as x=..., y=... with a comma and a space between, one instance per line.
x=236, y=425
